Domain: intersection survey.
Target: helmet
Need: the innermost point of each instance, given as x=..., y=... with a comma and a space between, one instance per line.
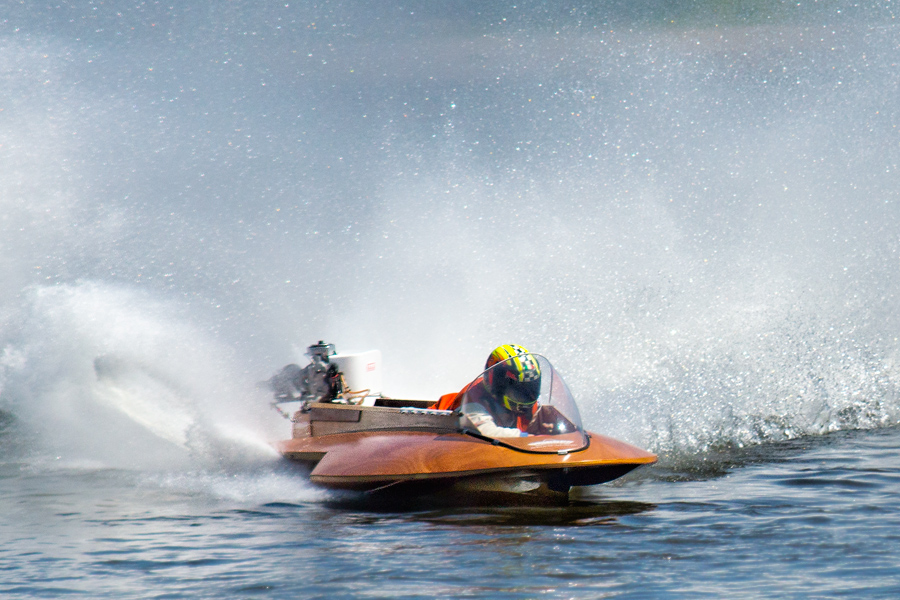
x=513, y=376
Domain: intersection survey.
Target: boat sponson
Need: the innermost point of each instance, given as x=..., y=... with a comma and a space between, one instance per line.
x=362, y=460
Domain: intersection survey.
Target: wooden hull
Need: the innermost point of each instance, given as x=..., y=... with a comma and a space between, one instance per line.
x=422, y=461
x=391, y=445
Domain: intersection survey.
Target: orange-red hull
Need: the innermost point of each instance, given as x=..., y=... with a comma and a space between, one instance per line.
x=369, y=460
x=374, y=442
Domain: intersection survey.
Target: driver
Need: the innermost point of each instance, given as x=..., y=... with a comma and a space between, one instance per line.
x=503, y=400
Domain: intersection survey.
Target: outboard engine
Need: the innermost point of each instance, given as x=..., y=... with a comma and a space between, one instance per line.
x=319, y=381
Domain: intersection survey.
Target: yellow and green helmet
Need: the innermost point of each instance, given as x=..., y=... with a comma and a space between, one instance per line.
x=513, y=376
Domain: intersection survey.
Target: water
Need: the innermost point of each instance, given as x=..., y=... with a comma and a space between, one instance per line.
x=690, y=208
x=808, y=519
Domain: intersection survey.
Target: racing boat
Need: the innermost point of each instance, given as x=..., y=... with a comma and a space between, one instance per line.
x=364, y=441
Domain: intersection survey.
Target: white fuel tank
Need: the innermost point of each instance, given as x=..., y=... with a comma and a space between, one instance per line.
x=361, y=371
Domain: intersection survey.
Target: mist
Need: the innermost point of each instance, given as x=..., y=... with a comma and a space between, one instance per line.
x=691, y=209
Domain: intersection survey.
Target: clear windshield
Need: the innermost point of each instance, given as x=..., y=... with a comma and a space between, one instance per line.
x=525, y=403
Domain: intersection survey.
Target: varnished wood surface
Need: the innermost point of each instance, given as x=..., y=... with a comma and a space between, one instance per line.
x=373, y=456
x=329, y=419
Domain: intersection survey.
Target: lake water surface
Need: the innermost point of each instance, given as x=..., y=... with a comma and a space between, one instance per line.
x=813, y=518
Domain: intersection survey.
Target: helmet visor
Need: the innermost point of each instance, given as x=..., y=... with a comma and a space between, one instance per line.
x=520, y=397
x=514, y=401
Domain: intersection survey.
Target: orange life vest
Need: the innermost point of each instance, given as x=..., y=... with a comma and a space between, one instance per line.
x=454, y=400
